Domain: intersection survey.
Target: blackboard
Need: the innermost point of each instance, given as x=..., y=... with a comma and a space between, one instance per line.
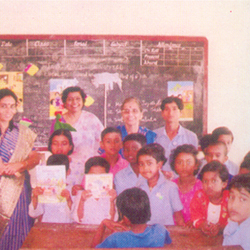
x=144, y=65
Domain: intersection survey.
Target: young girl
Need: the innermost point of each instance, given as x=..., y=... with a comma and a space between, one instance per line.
x=61, y=142
x=184, y=162
x=208, y=207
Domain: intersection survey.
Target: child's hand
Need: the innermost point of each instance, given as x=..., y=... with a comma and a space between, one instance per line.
x=37, y=191
x=189, y=224
x=168, y=174
x=65, y=193
x=76, y=188
x=85, y=195
x=210, y=229
x=112, y=194
x=114, y=226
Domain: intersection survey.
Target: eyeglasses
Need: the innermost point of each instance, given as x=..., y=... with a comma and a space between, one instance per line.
x=6, y=106
x=133, y=111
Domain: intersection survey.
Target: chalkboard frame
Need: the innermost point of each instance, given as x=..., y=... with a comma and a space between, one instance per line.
x=130, y=38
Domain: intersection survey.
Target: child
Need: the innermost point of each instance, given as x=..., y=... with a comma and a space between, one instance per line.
x=208, y=207
x=52, y=212
x=238, y=229
x=134, y=210
x=87, y=209
x=111, y=142
x=225, y=135
x=245, y=165
x=128, y=177
x=61, y=142
x=163, y=194
x=185, y=163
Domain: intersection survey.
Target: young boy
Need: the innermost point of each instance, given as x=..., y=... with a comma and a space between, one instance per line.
x=208, y=207
x=90, y=210
x=163, y=194
x=128, y=177
x=134, y=212
x=225, y=135
x=111, y=142
x=245, y=165
x=238, y=229
x=52, y=212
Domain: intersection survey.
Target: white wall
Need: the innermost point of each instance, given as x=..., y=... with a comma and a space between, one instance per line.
x=226, y=25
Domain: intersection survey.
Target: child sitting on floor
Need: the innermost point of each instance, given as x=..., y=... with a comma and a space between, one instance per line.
x=52, y=212
x=163, y=194
x=88, y=209
x=128, y=177
x=238, y=229
x=134, y=212
x=208, y=207
x=184, y=162
x=111, y=142
x=225, y=135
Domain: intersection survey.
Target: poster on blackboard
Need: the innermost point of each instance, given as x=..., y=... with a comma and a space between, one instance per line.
x=14, y=82
x=56, y=88
x=185, y=91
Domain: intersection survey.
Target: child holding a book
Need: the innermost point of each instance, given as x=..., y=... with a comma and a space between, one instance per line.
x=208, y=207
x=163, y=194
x=59, y=212
x=90, y=208
x=134, y=211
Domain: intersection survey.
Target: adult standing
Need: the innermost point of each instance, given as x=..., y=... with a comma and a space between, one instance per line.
x=173, y=134
x=131, y=110
x=88, y=127
x=16, y=157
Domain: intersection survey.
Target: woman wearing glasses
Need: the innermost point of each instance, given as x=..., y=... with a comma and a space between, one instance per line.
x=16, y=157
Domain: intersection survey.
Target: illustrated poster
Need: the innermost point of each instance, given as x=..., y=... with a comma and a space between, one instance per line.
x=53, y=180
x=98, y=184
x=185, y=91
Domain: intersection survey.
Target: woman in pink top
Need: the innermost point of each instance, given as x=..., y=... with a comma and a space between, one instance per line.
x=184, y=162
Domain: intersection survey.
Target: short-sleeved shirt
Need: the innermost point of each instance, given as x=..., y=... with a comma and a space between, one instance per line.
x=164, y=200
x=124, y=179
x=184, y=136
x=153, y=236
x=237, y=234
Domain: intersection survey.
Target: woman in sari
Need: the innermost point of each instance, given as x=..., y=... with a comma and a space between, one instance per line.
x=16, y=157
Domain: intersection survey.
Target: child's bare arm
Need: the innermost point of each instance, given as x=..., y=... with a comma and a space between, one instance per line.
x=110, y=224
x=113, y=195
x=65, y=193
x=80, y=210
x=35, y=192
x=178, y=217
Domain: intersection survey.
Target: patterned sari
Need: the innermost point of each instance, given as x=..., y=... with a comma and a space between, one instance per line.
x=14, y=193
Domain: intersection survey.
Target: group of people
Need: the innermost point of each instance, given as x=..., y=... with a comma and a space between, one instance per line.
x=161, y=177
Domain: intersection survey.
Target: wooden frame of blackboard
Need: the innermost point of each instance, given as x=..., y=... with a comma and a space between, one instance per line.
x=17, y=62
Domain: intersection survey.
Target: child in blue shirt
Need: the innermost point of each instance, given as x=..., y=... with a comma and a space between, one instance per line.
x=237, y=230
x=128, y=177
x=134, y=211
x=165, y=203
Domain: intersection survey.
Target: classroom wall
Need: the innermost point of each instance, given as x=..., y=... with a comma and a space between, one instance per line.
x=225, y=24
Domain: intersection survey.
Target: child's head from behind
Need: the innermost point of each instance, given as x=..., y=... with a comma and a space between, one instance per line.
x=60, y=142
x=214, y=177
x=216, y=151
x=59, y=159
x=183, y=160
x=111, y=140
x=150, y=160
x=131, y=145
x=239, y=199
x=205, y=141
x=245, y=165
x=225, y=135
x=134, y=204
x=96, y=165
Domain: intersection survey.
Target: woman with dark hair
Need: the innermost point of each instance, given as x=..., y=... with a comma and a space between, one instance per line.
x=88, y=127
x=16, y=157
